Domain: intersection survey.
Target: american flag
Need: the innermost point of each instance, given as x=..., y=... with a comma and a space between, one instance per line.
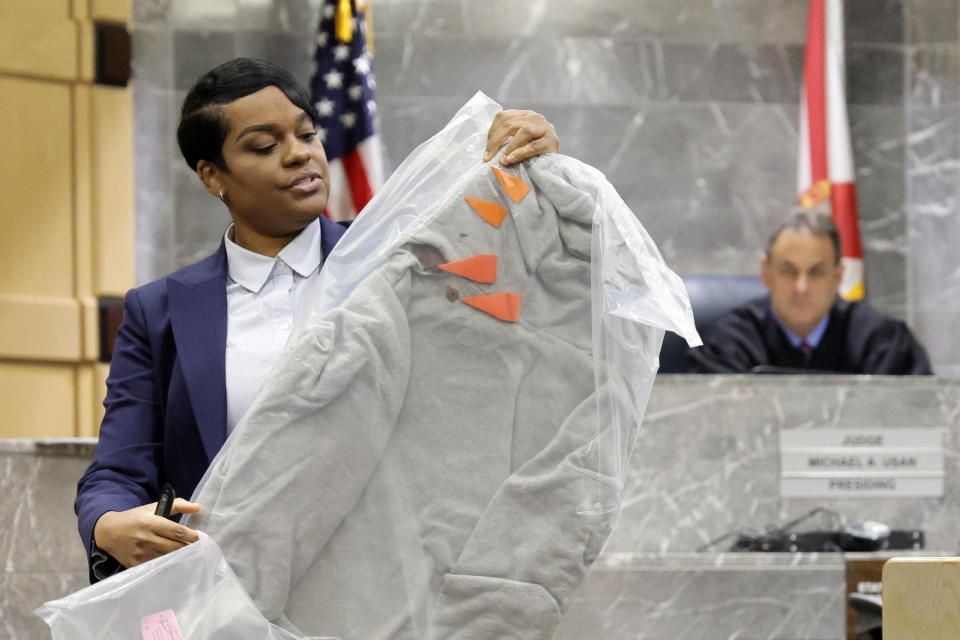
x=342, y=88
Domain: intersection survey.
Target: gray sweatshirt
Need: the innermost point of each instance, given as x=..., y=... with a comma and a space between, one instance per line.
x=416, y=468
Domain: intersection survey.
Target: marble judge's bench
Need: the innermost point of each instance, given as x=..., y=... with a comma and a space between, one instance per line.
x=707, y=463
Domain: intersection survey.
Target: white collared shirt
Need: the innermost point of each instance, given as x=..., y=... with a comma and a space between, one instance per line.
x=262, y=298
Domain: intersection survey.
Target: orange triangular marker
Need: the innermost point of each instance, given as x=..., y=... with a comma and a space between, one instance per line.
x=489, y=211
x=514, y=186
x=479, y=268
x=505, y=306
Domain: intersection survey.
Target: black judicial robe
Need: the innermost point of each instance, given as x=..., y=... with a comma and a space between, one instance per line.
x=858, y=339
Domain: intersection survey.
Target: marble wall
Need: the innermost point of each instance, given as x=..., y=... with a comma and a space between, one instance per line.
x=700, y=469
x=709, y=597
x=689, y=106
x=932, y=168
x=42, y=554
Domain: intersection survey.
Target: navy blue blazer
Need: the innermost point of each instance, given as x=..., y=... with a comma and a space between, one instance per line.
x=166, y=403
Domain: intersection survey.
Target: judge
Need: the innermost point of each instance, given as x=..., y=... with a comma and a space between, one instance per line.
x=802, y=324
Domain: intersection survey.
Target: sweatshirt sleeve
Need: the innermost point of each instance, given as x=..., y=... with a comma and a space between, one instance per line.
x=286, y=481
x=533, y=544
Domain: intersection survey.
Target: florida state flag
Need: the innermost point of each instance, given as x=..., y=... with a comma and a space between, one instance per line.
x=825, y=163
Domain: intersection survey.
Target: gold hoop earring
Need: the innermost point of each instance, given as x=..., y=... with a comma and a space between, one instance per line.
x=221, y=197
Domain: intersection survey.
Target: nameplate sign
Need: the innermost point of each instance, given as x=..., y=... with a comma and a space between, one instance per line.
x=844, y=463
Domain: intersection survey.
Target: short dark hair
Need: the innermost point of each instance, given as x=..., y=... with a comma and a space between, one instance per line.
x=816, y=221
x=203, y=125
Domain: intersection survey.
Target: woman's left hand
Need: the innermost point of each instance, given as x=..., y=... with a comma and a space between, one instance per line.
x=529, y=132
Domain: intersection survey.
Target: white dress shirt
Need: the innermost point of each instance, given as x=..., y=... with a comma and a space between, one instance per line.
x=262, y=298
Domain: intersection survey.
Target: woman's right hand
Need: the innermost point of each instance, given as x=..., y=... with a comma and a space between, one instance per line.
x=136, y=535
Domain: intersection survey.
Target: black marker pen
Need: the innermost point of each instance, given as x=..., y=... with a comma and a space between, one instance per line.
x=165, y=503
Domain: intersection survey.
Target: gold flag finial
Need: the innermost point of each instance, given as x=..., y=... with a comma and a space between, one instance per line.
x=855, y=293
x=343, y=25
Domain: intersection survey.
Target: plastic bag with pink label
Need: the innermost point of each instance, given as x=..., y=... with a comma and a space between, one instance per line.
x=191, y=594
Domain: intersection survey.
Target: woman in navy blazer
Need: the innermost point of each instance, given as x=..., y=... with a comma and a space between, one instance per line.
x=248, y=129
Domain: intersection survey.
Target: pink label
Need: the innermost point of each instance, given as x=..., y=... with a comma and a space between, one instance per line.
x=160, y=626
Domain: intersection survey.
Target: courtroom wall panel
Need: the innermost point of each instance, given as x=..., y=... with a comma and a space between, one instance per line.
x=67, y=178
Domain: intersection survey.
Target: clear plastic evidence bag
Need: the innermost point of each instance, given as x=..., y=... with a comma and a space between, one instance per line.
x=440, y=451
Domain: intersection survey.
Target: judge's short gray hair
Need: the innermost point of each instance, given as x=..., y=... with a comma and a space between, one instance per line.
x=816, y=221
